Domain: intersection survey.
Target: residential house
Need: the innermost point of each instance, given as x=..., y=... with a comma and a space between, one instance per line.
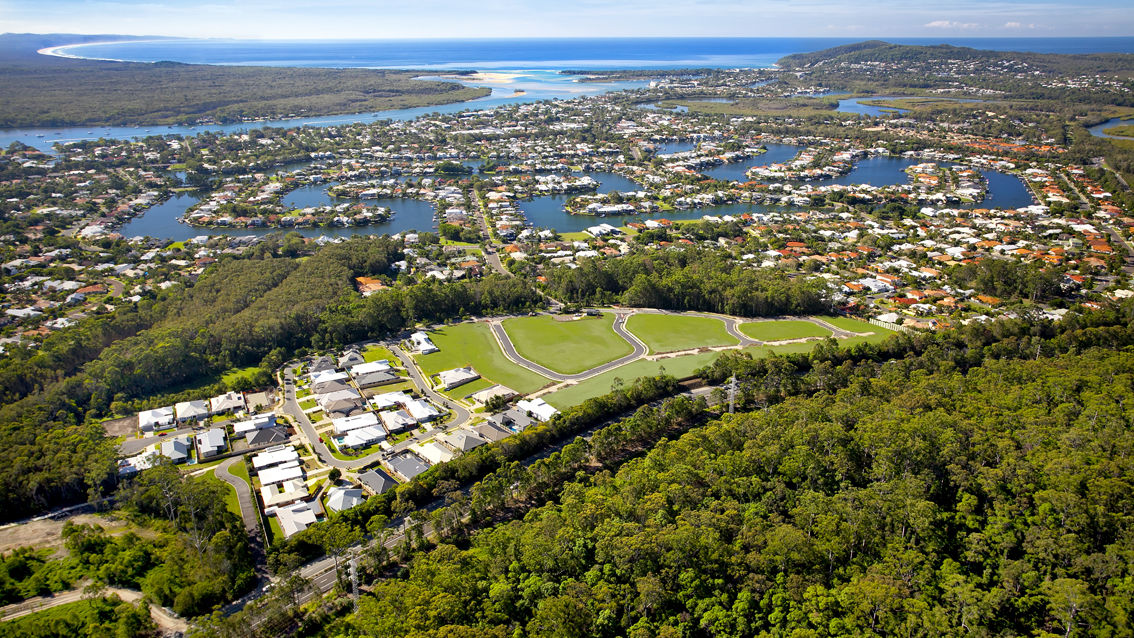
x=295, y=518
x=377, y=482
x=344, y=498
x=407, y=466
x=229, y=402
x=422, y=344
x=176, y=449
x=197, y=410
x=210, y=443
x=156, y=419
x=397, y=420
x=538, y=408
x=266, y=436
x=456, y=377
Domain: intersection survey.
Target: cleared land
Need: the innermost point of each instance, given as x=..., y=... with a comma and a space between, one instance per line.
x=570, y=346
x=472, y=344
x=854, y=325
x=600, y=385
x=685, y=366
x=672, y=333
x=782, y=330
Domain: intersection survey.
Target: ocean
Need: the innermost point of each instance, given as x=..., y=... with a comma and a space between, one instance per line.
x=549, y=53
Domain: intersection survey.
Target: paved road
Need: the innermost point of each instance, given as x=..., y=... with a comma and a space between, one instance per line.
x=732, y=325
x=461, y=415
x=249, y=510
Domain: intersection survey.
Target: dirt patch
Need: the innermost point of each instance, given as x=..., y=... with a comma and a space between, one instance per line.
x=125, y=426
x=48, y=534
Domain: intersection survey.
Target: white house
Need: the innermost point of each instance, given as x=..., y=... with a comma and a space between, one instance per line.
x=295, y=518
x=210, y=443
x=538, y=408
x=156, y=419
x=422, y=343
x=457, y=376
x=344, y=498
x=192, y=411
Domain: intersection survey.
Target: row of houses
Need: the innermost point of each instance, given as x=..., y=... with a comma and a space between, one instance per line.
x=168, y=417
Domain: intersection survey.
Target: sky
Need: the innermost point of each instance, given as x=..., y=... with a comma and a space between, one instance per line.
x=381, y=19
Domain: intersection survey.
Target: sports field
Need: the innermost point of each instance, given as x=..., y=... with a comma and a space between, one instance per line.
x=782, y=330
x=568, y=347
x=472, y=344
x=672, y=333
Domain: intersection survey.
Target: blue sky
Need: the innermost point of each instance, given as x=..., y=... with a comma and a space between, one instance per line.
x=569, y=18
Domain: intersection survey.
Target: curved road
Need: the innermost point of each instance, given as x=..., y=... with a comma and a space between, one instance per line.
x=291, y=406
x=732, y=326
x=248, y=509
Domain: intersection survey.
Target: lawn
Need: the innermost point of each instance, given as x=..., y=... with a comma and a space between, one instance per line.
x=306, y=404
x=460, y=392
x=234, y=375
x=854, y=325
x=600, y=385
x=782, y=330
x=670, y=333
x=679, y=367
x=570, y=346
x=378, y=353
x=472, y=344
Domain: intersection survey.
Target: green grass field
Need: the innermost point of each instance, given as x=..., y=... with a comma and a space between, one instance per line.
x=568, y=347
x=670, y=333
x=681, y=367
x=472, y=344
x=377, y=353
x=234, y=375
x=460, y=392
x=600, y=385
x=782, y=330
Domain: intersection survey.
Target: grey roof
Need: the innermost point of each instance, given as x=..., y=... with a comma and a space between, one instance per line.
x=321, y=364
x=408, y=465
x=266, y=436
x=378, y=481
x=375, y=378
x=491, y=431
x=513, y=418
x=327, y=387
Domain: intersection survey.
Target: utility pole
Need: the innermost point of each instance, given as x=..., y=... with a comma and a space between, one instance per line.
x=732, y=394
x=354, y=580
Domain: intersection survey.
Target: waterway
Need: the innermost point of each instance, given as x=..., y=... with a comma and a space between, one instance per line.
x=868, y=106
x=1097, y=129
x=736, y=171
x=161, y=220
x=535, y=85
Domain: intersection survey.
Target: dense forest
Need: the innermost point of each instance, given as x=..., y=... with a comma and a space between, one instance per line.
x=690, y=279
x=992, y=501
x=50, y=91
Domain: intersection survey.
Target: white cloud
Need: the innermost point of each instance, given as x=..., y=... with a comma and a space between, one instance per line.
x=951, y=24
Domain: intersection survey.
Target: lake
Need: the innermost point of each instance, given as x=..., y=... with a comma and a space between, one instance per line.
x=161, y=221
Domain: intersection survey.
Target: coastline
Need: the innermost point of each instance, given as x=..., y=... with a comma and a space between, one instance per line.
x=57, y=51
